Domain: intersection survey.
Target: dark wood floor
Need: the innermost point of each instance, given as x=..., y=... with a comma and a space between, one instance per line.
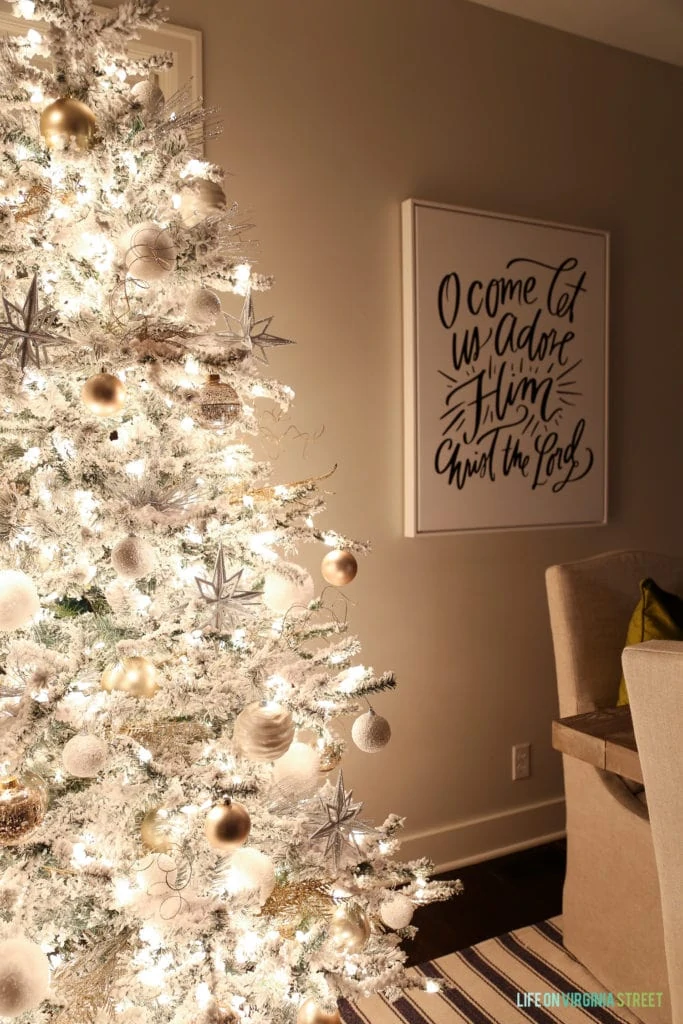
x=508, y=892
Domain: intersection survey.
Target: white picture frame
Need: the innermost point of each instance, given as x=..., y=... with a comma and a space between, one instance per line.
x=185, y=44
x=505, y=371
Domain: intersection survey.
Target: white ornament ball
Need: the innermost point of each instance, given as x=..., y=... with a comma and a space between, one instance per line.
x=24, y=976
x=133, y=558
x=249, y=869
x=203, y=306
x=148, y=95
x=397, y=911
x=150, y=252
x=200, y=199
x=85, y=756
x=280, y=593
x=19, y=599
x=371, y=732
x=296, y=772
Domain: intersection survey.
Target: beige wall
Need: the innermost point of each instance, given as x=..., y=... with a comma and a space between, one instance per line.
x=334, y=113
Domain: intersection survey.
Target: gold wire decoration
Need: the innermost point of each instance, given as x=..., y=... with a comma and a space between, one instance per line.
x=267, y=493
x=88, y=981
x=170, y=739
x=293, y=901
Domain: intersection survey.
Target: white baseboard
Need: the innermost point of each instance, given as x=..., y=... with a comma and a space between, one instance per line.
x=488, y=836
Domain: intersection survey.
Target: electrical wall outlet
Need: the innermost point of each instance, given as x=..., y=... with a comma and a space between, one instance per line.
x=521, y=761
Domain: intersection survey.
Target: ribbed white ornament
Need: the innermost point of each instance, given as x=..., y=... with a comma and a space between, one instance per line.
x=397, y=911
x=371, y=732
x=19, y=599
x=263, y=732
x=24, y=976
x=85, y=756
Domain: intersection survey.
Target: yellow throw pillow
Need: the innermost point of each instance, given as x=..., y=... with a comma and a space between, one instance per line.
x=657, y=616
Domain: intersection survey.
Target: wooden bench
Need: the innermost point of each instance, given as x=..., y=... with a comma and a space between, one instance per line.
x=602, y=738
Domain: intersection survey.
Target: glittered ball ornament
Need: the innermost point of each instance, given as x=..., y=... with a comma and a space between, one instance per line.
x=263, y=732
x=280, y=594
x=371, y=732
x=296, y=773
x=85, y=756
x=133, y=558
x=310, y=1013
x=136, y=676
x=23, y=802
x=65, y=120
x=203, y=306
x=150, y=252
x=227, y=825
x=217, y=404
x=349, y=928
x=148, y=94
x=24, y=976
x=396, y=911
x=250, y=870
x=339, y=567
x=19, y=599
x=199, y=199
x=104, y=394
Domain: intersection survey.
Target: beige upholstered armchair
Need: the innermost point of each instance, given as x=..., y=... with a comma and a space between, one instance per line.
x=612, y=918
x=654, y=677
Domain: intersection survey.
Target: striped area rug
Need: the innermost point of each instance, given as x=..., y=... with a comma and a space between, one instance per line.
x=490, y=983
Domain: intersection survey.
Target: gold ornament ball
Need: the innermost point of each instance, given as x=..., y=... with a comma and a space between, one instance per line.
x=349, y=929
x=227, y=825
x=339, y=567
x=156, y=830
x=311, y=1013
x=23, y=802
x=104, y=394
x=67, y=119
x=136, y=676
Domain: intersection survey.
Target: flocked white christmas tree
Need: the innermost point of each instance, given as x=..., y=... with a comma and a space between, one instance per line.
x=177, y=845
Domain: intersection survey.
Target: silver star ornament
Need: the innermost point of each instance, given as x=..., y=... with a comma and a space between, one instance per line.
x=221, y=592
x=28, y=329
x=249, y=332
x=340, y=823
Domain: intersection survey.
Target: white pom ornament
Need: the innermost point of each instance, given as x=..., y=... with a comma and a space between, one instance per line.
x=19, y=599
x=150, y=252
x=199, y=199
x=24, y=976
x=296, y=772
x=85, y=756
x=371, y=732
x=280, y=593
x=148, y=94
x=133, y=558
x=397, y=911
x=203, y=306
x=248, y=870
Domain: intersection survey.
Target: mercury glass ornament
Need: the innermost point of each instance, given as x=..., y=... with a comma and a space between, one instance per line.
x=263, y=732
x=339, y=567
x=157, y=830
x=67, y=119
x=349, y=928
x=23, y=802
x=104, y=394
x=136, y=676
x=227, y=825
x=310, y=1013
x=218, y=404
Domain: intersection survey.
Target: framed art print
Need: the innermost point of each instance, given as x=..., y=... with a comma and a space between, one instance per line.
x=505, y=360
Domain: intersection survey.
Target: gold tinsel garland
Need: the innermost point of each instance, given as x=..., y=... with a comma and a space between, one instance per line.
x=294, y=901
x=170, y=739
